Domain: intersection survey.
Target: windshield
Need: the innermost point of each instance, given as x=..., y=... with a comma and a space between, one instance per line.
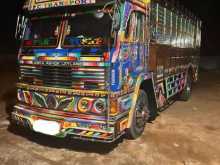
x=91, y=29
x=42, y=33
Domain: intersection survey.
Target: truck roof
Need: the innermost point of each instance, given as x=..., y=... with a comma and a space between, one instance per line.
x=33, y=5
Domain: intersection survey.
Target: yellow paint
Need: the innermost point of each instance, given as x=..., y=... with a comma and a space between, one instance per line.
x=122, y=36
x=123, y=124
x=56, y=58
x=83, y=101
x=143, y=1
x=27, y=57
x=90, y=133
x=26, y=94
x=147, y=1
x=24, y=117
x=71, y=105
x=69, y=125
x=90, y=58
x=134, y=100
x=114, y=107
x=62, y=91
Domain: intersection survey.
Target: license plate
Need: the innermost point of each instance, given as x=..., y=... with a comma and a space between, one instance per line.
x=46, y=127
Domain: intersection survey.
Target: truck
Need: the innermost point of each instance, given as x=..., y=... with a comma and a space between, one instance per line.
x=99, y=69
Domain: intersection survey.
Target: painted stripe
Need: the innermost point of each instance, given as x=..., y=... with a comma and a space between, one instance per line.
x=90, y=73
x=27, y=57
x=59, y=90
x=61, y=114
x=89, y=69
x=87, y=76
x=97, y=59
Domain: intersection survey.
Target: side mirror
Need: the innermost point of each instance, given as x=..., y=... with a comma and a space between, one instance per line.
x=20, y=27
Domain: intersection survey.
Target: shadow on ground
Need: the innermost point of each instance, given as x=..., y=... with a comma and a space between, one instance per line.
x=9, y=98
x=64, y=143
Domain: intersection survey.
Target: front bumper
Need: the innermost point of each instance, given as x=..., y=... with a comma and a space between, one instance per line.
x=80, y=127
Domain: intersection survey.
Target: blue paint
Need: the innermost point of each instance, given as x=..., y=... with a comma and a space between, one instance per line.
x=74, y=40
x=115, y=84
x=50, y=52
x=94, y=50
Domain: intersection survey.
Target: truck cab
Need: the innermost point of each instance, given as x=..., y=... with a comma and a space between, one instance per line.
x=81, y=65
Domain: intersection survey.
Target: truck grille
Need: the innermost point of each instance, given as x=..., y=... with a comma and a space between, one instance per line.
x=57, y=76
x=84, y=77
x=29, y=74
x=88, y=78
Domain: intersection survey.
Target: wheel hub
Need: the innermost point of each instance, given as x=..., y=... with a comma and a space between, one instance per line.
x=142, y=115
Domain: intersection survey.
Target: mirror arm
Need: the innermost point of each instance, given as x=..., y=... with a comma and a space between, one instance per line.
x=24, y=28
x=17, y=27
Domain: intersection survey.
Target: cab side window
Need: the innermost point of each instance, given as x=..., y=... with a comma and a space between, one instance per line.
x=135, y=30
x=141, y=26
x=130, y=29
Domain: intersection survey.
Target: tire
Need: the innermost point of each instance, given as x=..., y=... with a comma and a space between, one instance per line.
x=140, y=117
x=186, y=93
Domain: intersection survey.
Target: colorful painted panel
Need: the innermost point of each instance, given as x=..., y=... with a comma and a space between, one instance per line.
x=66, y=68
x=86, y=105
x=89, y=129
x=175, y=84
x=129, y=60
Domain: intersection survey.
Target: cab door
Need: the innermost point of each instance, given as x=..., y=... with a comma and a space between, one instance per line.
x=134, y=48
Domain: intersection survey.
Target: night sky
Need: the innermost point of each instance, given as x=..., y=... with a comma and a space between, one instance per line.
x=206, y=10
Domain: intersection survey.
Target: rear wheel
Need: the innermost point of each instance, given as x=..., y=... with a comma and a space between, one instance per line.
x=186, y=93
x=140, y=117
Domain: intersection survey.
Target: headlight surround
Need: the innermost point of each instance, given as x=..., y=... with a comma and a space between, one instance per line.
x=99, y=106
x=90, y=105
x=85, y=105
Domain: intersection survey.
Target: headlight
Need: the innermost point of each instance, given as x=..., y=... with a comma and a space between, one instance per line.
x=90, y=105
x=84, y=105
x=99, y=106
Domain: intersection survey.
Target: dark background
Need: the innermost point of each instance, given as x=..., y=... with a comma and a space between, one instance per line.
x=206, y=10
x=208, y=13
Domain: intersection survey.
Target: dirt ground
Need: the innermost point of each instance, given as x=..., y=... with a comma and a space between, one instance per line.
x=186, y=133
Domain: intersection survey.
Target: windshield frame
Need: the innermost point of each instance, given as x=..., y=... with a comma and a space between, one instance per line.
x=105, y=40
x=60, y=20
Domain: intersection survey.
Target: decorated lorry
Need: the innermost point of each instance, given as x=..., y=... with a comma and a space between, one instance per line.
x=99, y=69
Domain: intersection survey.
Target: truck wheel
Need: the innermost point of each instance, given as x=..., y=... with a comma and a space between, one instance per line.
x=186, y=93
x=140, y=117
